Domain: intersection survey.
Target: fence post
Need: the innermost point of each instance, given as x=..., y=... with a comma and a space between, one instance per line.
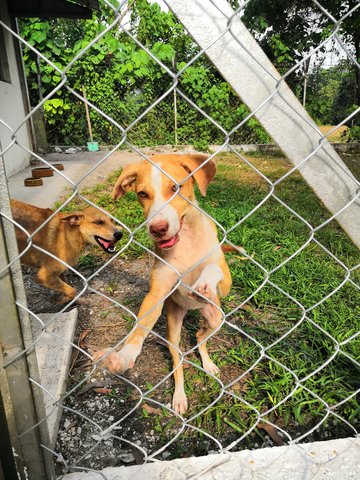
x=175, y=105
x=23, y=402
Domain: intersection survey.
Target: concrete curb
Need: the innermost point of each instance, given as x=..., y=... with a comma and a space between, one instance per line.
x=333, y=459
x=53, y=355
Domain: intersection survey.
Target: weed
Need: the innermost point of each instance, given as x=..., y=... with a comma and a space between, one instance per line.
x=88, y=260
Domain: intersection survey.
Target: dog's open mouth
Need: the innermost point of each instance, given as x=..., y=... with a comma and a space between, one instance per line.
x=106, y=245
x=170, y=242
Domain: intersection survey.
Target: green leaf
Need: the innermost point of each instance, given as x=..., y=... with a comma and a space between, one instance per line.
x=38, y=36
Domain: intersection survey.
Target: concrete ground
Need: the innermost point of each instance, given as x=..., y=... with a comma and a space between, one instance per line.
x=76, y=165
x=53, y=351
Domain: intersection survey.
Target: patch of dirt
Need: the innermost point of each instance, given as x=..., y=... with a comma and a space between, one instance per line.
x=336, y=135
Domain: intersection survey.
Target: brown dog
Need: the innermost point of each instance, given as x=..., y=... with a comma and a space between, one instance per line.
x=187, y=249
x=64, y=236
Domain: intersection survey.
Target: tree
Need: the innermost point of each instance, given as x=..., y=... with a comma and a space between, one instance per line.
x=331, y=93
x=301, y=25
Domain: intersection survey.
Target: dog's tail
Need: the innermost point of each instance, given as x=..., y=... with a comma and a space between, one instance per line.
x=230, y=248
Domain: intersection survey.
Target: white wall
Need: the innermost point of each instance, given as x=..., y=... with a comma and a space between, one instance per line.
x=12, y=110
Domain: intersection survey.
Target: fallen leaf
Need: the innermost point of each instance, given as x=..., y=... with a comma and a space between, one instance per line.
x=272, y=432
x=81, y=338
x=149, y=409
x=71, y=425
x=139, y=458
x=133, y=397
x=103, y=390
x=85, y=389
x=97, y=386
x=74, y=355
x=277, y=247
x=247, y=308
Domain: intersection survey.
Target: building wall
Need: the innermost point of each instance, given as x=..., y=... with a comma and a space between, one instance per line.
x=12, y=109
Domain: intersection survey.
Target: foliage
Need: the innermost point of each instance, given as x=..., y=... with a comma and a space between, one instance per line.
x=331, y=94
x=354, y=134
x=122, y=81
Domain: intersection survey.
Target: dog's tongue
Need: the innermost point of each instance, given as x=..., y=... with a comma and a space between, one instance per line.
x=105, y=243
x=170, y=242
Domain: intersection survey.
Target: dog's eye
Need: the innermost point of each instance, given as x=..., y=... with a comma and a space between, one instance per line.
x=175, y=188
x=142, y=194
x=99, y=222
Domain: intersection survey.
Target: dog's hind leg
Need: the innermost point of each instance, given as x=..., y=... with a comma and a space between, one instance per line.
x=206, y=285
x=175, y=315
x=225, y=283
x=51, y=279
x=213, y=317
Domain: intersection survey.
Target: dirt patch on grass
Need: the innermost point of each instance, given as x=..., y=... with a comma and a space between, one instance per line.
x=337, y=135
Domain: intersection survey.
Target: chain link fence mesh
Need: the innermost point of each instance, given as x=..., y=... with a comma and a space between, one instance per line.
x=289, y=359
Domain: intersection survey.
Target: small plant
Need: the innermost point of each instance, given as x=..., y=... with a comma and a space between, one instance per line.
x=88, y=261
x=111, y=287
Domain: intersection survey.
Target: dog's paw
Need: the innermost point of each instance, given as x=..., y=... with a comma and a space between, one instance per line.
x=202, y=293
x=115, y=362
x=179, y=402
x=210, y=367
x=62, y=299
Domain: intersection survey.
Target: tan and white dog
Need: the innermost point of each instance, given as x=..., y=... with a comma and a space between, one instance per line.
x=183, y=236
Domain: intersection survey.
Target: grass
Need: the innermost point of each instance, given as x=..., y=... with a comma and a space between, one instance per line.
x=272, y=233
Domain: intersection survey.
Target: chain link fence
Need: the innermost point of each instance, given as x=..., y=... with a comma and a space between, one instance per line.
x=288, y=342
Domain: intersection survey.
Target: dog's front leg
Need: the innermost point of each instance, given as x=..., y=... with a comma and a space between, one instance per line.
x=160, y=286
x=49, y=276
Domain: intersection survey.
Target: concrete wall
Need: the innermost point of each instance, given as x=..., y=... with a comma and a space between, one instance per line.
x=331, y=460
x=12, y=108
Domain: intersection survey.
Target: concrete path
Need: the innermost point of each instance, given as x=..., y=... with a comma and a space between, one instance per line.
x=76, y=166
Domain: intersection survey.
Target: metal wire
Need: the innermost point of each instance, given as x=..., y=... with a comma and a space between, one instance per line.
x=188, y=423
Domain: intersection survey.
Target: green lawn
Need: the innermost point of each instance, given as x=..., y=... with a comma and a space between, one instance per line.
x=272, y=234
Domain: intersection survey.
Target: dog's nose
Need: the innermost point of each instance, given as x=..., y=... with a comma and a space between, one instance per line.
x=159, y=229
x=117, y=235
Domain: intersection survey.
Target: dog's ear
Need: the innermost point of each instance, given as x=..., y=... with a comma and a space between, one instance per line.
x=126, y=181
x=74, y=218
x=205, y=174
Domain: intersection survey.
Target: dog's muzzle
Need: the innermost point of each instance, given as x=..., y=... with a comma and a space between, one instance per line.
x=109, y=245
